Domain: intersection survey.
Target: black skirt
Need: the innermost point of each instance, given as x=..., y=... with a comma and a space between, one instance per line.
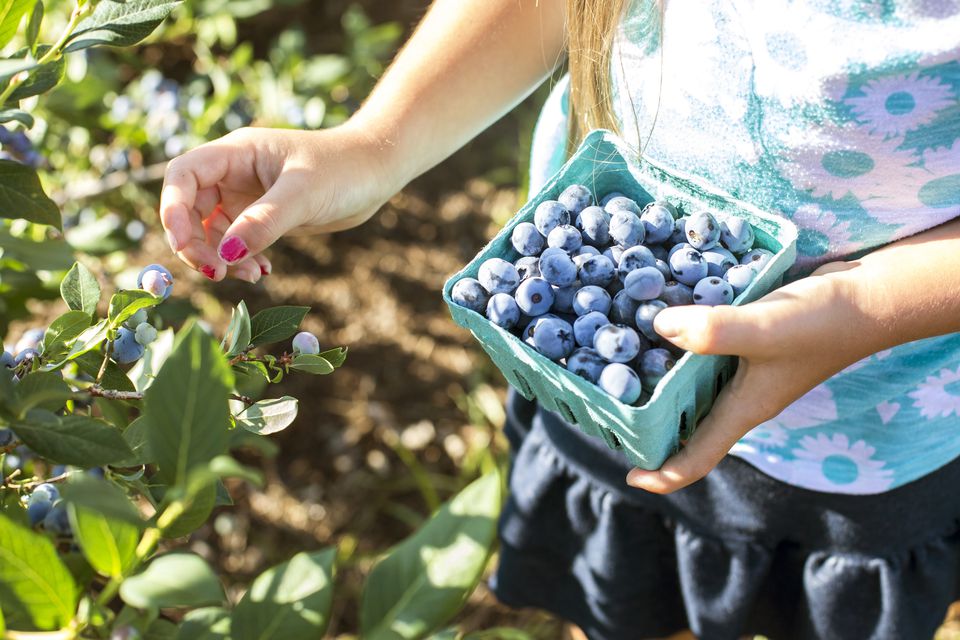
x=733, y=554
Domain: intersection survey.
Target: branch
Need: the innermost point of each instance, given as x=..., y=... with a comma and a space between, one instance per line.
x=112, y=394
x=36, y=483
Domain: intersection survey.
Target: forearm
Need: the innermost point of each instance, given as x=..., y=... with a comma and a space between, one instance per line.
x=467, y=64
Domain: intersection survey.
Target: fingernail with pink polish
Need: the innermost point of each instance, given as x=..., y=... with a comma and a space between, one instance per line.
x=233, y=249
x=264, y=271
x=208, y=271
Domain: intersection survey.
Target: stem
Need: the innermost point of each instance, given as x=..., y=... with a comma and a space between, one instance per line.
x=103, y=365
x=112, y=394
x=36, y=483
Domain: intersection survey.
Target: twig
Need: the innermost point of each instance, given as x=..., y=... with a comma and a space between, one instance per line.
x=10, y=477
x=36, y=483
x=106, y=359
x=247, y=400
x=112, y=394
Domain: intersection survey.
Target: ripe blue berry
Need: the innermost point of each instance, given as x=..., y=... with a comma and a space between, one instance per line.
x=30, y=339
x=621, y=203
x=534, y=296
x=553, y=338
x=155, y=281
x=45, y=491
x=646, y=312
x=575, y=198
x=37, y=511
x=664, y=269
x=563, y=298
x=676, y=293
x=623, y=309
x=586, y=326
x=621, y=382
x=586, y=363
x=757, y=259
x=598, y=270
x=713, y=291
x=593, y=226
x=645, y=283
x=739, y=277
x=614, y=253
x=57, y=521
x=528, y=267
x=125, y=349
x=502, y=310
x=703, y=231
x=610, y=196
x=659, y=251
x=617, y=343
x=6, y=436
x=654, y=365
x=626, y=229
x=565, y=237
x=718, y=261
x=658, y=223
x=679, y=231
x=305, y=343
x=736, y=234
x=469, y=293
x=549, y=215
x=558, y=268
x=7, y=360
x=526, y=239
x=678, y=247
x=635, y=258
x=688, y=266
x=591, y=298
x=28, y=356
x=498, y=276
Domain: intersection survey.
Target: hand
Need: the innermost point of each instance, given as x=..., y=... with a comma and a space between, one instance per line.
x=226, y=201
x=789, y=341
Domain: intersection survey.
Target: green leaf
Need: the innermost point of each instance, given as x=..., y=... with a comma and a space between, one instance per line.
x=136, y=436
x=207, y=623
x=17, y=115
x=161, y=629
x=36, y=590
x=110, y=545
x=426, y=578
x=291, y=600
x=186, y=406
x=44, y=389
x=275, y=324
x=199, y=506
x=80, y=289
x=42, y=78
x=173, y=580
x=312, y=364
x=11, y=13
x=33, y=26
x=113, y=376
x=73, y=439
x=335, y=357
x=253, y=368
x=124, y=304
x=237, y=336
x=21, y=195
x=269, y=416
x=218, y=468
x=60, y=332
x=93, y=494
x=120, y=23
x=89, y=340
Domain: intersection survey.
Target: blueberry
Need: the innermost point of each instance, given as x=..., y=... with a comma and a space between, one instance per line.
x=757, y=259
x=654, y=364
x=558, y=268
x=565, y=237
x=591, y=298
x=645, y=283
x=553, y=338
x=703, y=231
x=37, y=511
x=586, y=326
x=125, y=349
x=679, y=230
x=676, y=293
x=527, y=334
x=635, y=258
x=657, y=218
x=586, y=363
x=145, y=333
x=623, y=309
x=549, y=215
x=614, y=253
x=593, y=226
x=563, y=298
x=136, y=319
x=502, y=310
x=155, y=281
x=526, y=239
x=713, y=291
x=617, y=343
x=528, y=267
x=678, y=247
x=659, y=252
x=469, y=293
x=621, y=203
x=7, y=360
x=28, y=356
x=646, y=312
x=534, y=296
x=305, y=343
x=57, y=521
x=736, y=234
x=610, y=196
x=615, y=287
x=45, y=491
x=664, y=269
x=575, y=198
x=718, y=261
x=621, y=382
x=597, y=270
x=588, y=250
x=30, y=339
x=498, y=276
x=6, y=436
x=626, y=229
x=739, y=277
x=688, y=266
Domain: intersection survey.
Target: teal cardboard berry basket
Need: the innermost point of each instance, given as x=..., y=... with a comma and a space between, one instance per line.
x=650, y=432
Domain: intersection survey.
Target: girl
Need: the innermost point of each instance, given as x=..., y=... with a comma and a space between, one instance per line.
x=836, y=514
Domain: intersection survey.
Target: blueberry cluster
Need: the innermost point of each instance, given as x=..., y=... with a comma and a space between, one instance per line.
x=592, y=275
x=136, y=333
x=44, y=507
x=19, y=148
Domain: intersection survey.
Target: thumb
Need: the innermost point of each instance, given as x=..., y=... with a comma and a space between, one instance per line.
x=279, y=210
x=720, y=330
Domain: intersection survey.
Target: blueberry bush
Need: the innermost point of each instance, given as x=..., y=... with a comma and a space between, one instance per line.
x=121, y=430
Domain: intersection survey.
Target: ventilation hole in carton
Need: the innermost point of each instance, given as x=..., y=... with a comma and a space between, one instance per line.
x=566, y=412
x=614, y=441
x=683, y=425
x=719, y=383
x=522, y=385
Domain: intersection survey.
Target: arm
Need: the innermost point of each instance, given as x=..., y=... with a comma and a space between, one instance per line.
x=466, y=65
x=796, y=337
